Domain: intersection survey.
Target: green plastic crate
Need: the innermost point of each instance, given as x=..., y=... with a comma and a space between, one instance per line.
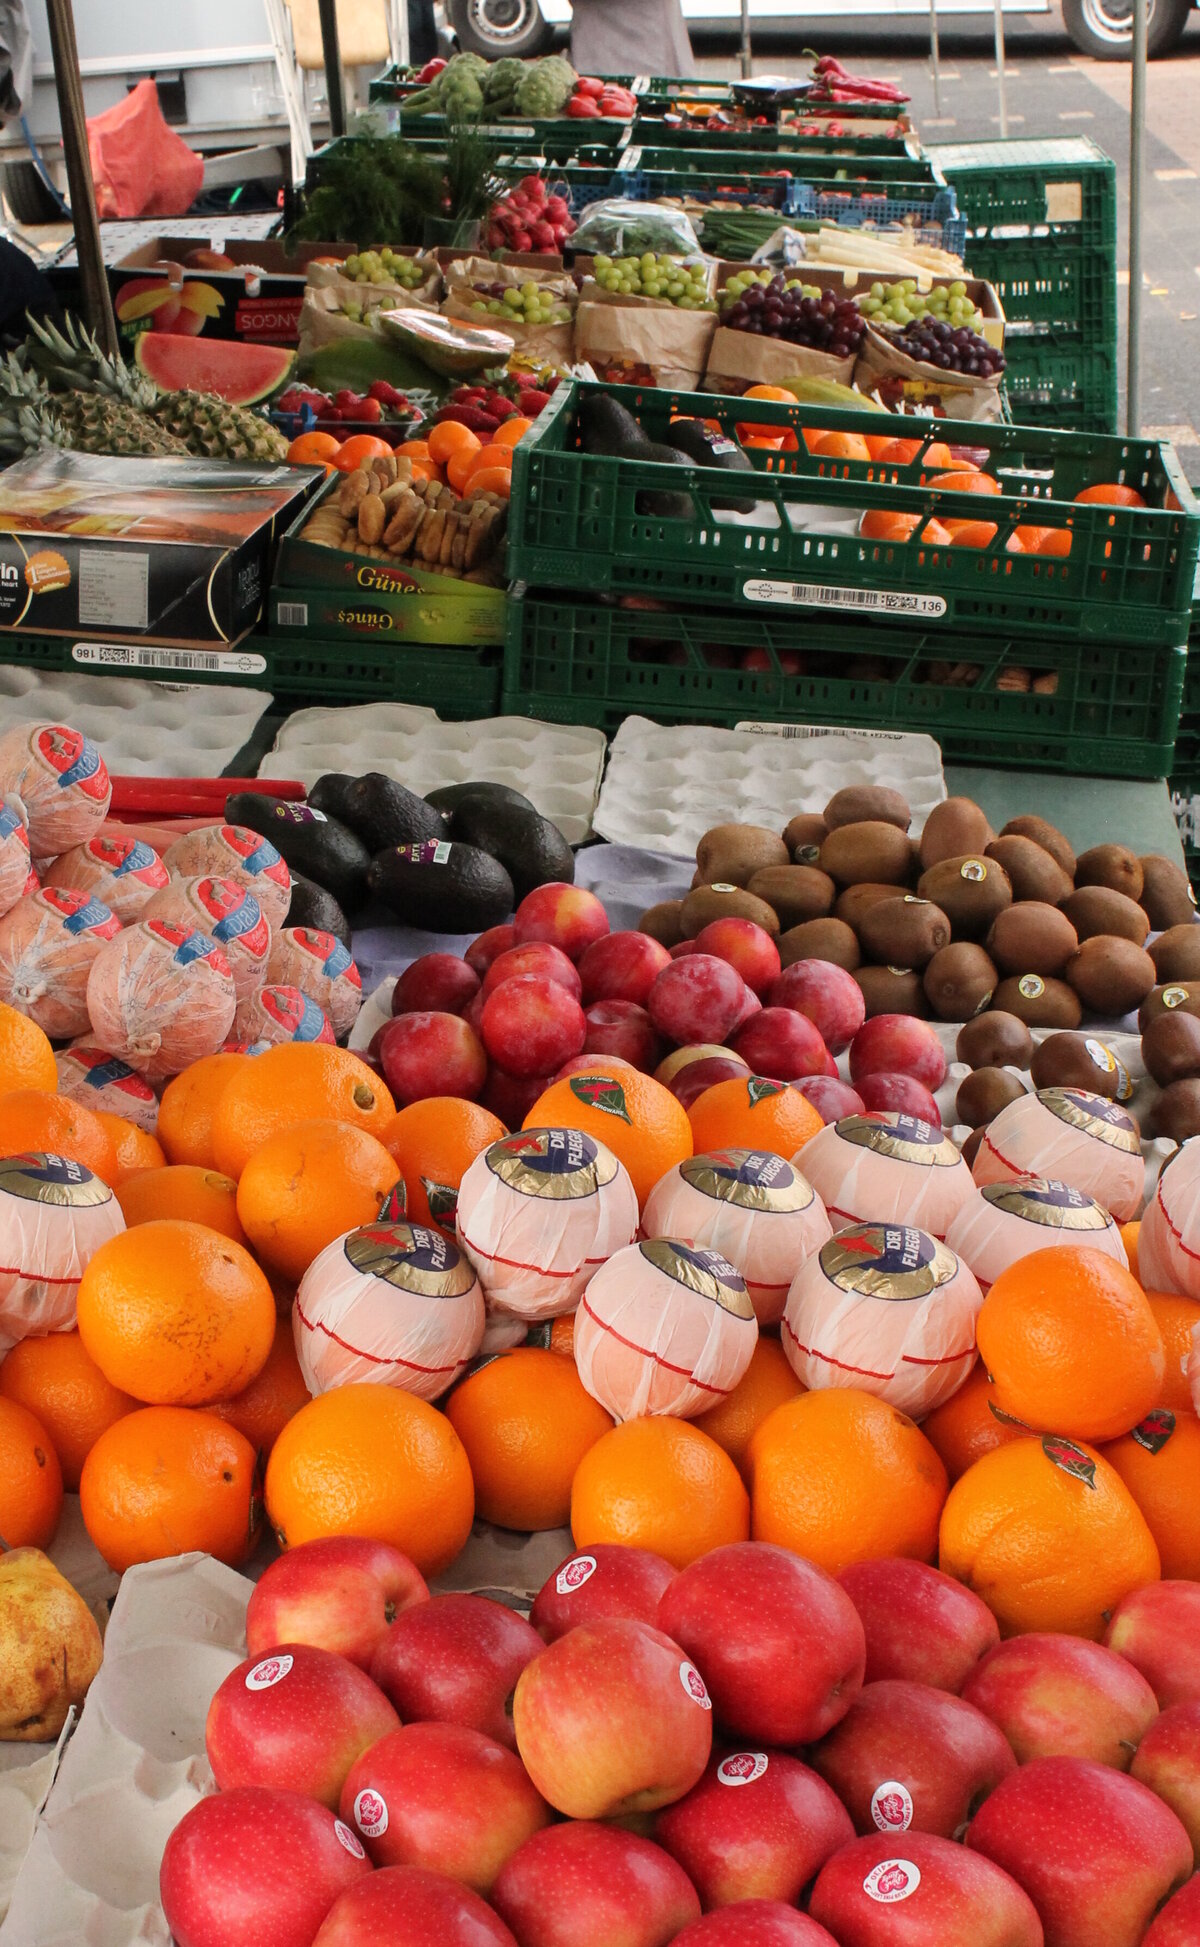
x=1051, y=386
x=581, y=520
x=657, y=131
x=824, y=169
x=1051, y=288
x=1029, y=183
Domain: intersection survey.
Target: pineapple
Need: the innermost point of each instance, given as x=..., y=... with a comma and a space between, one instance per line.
x=74, y=362
x=214, y=430
x=89, y=424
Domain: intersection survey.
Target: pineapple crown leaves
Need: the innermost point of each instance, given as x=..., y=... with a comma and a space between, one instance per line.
x=72, y=361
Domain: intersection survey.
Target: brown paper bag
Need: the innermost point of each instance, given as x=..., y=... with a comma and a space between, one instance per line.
x=549, y=344
x=619, y=340
x=330, y=277
x=737, y=359
x=879, y=359
x=484, y=270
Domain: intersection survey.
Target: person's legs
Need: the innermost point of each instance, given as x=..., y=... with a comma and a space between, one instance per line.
x=422, y=32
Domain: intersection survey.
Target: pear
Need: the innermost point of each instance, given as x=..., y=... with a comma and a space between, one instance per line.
x=49, y=1647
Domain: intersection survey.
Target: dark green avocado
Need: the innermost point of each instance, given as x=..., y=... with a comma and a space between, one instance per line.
x=531, y=849
x=443, y=885
x=309, y=841
x=313, y=906
x=448, y=797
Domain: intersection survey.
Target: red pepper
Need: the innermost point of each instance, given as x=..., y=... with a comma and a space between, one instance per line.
x=583, y=108
x=588, y=84
x=431, y=69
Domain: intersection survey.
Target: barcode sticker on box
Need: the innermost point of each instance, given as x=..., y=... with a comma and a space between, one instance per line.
x=203, y=662
x=877, y=601
x=291, y=615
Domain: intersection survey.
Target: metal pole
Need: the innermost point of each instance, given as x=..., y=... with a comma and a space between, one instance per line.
x=1137, y=187
x=746, y=61
x=97, y=298
x=935, y=56
x=998, y=17
x=327, y=9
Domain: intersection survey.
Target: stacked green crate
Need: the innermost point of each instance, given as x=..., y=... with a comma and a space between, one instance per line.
x=1042, y=227
x=1185, y=771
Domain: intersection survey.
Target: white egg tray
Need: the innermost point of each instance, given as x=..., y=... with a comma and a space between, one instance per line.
x=139, y=728
x=556, y=766
x=666, y=785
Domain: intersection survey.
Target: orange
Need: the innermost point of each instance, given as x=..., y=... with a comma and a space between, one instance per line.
x=54, y=1377
x=526, y=1423
x=373, y=1461
x=1072, y=1345
x=968, y=1424
x=971, y=534
x=166, y=1480
x=263, y=1410
x=31, y=1119
x=414, y=449
x=307, y=1185
x=750, y=1112
x=842, y=446
x=1056, y=540
x=767, y=1382
x=512, y=431
x=1159, y=1463
x=902, y=452
x=300, y=1081
x=26, y=1057
x=176, y=1314
x=135, y=1150
x=188, y=1106
x=359, y=447
x=313, y=449
x=1177, y=1318
x=489, y=480
x=1109, y=493
x=1129, y=1237
x=433, y=1143
x=841, y=1477
x=779, y=393
x=1048, y=1534
x=448, y=438
x=632, y=1114
x=31, y=1486
x=184, y=1190
x=458, y=468
x=885, y=524
x=960, y=481
x=659, y=1483
x=493, y=455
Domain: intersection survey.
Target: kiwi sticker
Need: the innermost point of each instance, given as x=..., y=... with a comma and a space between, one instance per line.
x=892, y=1880
x=600, y=1092
x=975, y=870
x=753, y=1179
x=760, y=1088
x=910, y=899
x=412, y=1258
x=905, y=1137
x=41, y=1178
x=1070, y=1459
x=807, y=854
x=896, y=1262
x=1080, y=1109
x=1041, y=1200
x=1174, y=996
x=1103, y=1057
x=722, y=887
x=559, y=1164
x=1032, y=986
x=702, y=1271
x=1155, y=1430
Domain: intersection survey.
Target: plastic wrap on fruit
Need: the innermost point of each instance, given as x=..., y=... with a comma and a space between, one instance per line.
x=616, y=228
x=15, y=862
x=392, y=1304
x=88, y=1074
x=664, y=1327
x=161, y=996
x=238, y=853
x=888, y=1168
x=280, y=1013
x=1169, y=1240
x=320, y=966
x=1075, y=1137
x=229, y=914
x=56, y=782
x=444, y=344
x=754, y=1208
x=48, y=943
x=124, y=872
x=1006, y=1221
x=53, y=1215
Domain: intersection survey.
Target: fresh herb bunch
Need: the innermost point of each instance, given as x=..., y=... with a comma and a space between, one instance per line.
x=378, y=189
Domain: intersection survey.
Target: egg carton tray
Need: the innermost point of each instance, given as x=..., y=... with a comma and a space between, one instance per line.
x=667, y=785
x=557, y=767
x=138, y=727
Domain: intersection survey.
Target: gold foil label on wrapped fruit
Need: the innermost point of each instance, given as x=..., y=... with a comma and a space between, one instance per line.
x=40, y=1178
x=702, y=1271
x=905, y=1137
x=753, y=1179
x=1042, y=1200
x=1080, y=1109
x=892, y=1261
x=410, y=1257
x=558, y=1164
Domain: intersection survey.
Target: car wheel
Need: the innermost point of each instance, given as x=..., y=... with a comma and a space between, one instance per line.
x=497, y=27
x=27, y=196
x=1104, y=28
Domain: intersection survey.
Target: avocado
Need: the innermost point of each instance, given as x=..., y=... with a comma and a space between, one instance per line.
x=448, y=797
x=309, y=841
x=385, y=813
x=530, y=848
x=608, y=429
x=329, y=795
x=709, y=448
x=443, y=885
x=313, y=906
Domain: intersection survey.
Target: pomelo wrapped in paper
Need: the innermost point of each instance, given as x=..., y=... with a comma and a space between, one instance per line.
x=752, y=1206
x=664, y=1327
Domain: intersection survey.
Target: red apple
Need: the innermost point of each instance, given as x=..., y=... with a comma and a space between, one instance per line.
x=906, y=1756
x=746, y=946
x=296, y=1720
x=832, y=1099
x=612, y=1718
x=1177, y=1924
x=884, y=1094
x=252, y=1866
x=779, y=1642
x=697, y=999
x=567, y=916
x=403, y=1906
x=456, y=1660
x=603, y=1581
x=625, y=1029
x=830, y=997
x=920, y=1624
x=510, y=1097
x=488, y=947
x=755, y=1923
x=1157, y=1629
x=431, y=1054
x=437, y=983
x=917, y=1890
x=1168, y=1761
x=442, y=1797
x=531, y=1025
x=759, y=1825
x=582, y=1884
x=338, y=1593
x=621, y=967
x=1063, y=1697
x=782, y=1044
x=1096, y=1852
x=538, y=957
x=898, y=1044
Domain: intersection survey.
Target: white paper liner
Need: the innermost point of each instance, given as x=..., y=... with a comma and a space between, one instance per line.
x=535, y=1254
x=45, y=1245
x=860, y=1186
x=355, y=1325
x=645, y=1343
x=990, y=1239
x=767, y=1246
x=1026, y=1139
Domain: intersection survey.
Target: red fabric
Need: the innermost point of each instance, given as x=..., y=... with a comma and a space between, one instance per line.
x=140, y=166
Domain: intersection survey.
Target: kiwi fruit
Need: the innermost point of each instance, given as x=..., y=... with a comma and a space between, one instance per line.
x=891, y=990
x=707, y=903
x=857, y=900
x=1173, y=996
x=983, y=1093
x=1032, y=871
x=1111, y=975
x=1032, y=938
x=805, y=836
x=903, y=932
x=953, y=828
x=1078, y=1061
x=1047, y=836
x=859, y=804
x=1171, y=1047
x=820, y=939
x=1176, y=1113
x=1166, y=894
x=994, y=1040
x=970, y=1148
x=1039, y=1000
x=732, y=854
x=796, y=892
x=871, y=851
x=1176, y=953
x=959, y=981
x=1114, y=866
x=662, y=922
x=1098, y=909
x=971, y=890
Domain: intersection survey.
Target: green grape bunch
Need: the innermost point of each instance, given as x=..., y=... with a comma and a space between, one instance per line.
x=386, y=266
x=521, y=304
x=903, y=304
x=670, y=279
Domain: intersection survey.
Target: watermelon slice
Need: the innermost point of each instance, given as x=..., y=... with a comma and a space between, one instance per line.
x=239, y=373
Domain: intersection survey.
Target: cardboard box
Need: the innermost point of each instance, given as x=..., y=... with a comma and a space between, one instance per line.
x=173, y=551
x=153, y=288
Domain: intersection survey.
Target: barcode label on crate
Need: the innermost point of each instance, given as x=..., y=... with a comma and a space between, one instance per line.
x=806, y=730
x=876, y=601
x=505, y=131
x=202, y=662
x=291, y=615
